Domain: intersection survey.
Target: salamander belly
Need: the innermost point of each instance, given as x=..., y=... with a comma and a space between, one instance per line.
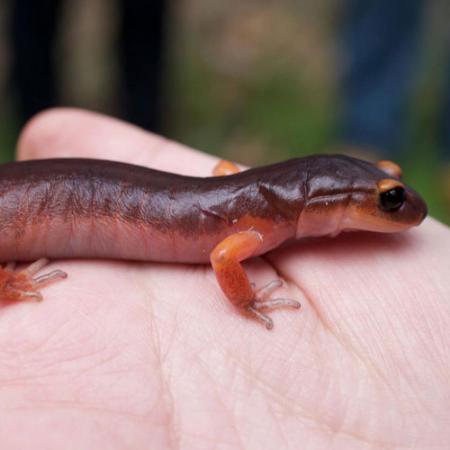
x=102, y=239
x=113, y=238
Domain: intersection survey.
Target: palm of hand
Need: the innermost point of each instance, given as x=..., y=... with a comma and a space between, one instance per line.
x=123, y=355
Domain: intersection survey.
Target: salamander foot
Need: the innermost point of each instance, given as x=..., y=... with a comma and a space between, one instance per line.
x=263, y=303
x=21, y=285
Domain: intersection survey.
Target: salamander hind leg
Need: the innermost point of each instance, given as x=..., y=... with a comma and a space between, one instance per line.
x=226, y=261
x=23, y=284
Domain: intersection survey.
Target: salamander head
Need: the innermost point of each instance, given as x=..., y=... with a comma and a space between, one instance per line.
x=345, y=193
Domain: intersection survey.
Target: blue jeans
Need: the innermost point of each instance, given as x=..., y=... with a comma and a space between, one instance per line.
x=381, y=53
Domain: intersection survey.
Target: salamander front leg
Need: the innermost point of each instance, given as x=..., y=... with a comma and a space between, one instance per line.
x=226, y=261
x=224, y=167
x=22, y=285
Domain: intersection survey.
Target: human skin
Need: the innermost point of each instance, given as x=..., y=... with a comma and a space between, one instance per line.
x=152, y=356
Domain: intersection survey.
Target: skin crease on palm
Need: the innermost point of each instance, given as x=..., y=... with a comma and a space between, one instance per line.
x=152, y=356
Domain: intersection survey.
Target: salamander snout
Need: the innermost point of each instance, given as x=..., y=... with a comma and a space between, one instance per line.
x=390, y=206
x=399, y=203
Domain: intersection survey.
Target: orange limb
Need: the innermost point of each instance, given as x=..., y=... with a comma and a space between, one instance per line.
x=226, y=261
x=390, y=167
x=22, y=285
x=224, y=167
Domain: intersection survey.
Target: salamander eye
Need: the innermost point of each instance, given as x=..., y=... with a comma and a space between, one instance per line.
x=392, y=194
x=393, y=199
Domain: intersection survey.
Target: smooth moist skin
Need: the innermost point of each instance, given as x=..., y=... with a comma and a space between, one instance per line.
x=71, y=208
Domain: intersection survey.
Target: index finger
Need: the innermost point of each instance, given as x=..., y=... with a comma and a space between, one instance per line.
x=69, y=133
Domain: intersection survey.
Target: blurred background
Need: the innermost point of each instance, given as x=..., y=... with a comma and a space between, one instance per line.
x=256, y=81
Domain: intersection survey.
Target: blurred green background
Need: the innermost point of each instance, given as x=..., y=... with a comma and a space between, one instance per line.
x=252, y=81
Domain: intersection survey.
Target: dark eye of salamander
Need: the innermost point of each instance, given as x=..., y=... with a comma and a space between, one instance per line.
x=393, y=199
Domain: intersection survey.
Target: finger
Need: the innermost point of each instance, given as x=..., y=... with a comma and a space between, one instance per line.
x=66, y=132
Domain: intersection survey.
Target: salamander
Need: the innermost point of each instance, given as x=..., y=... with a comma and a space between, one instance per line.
x=86, y=208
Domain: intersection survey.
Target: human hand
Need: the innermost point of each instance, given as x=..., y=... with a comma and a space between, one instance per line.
x=147, y=355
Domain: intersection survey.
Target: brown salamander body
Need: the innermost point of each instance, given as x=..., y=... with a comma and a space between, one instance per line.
x=65, y=208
